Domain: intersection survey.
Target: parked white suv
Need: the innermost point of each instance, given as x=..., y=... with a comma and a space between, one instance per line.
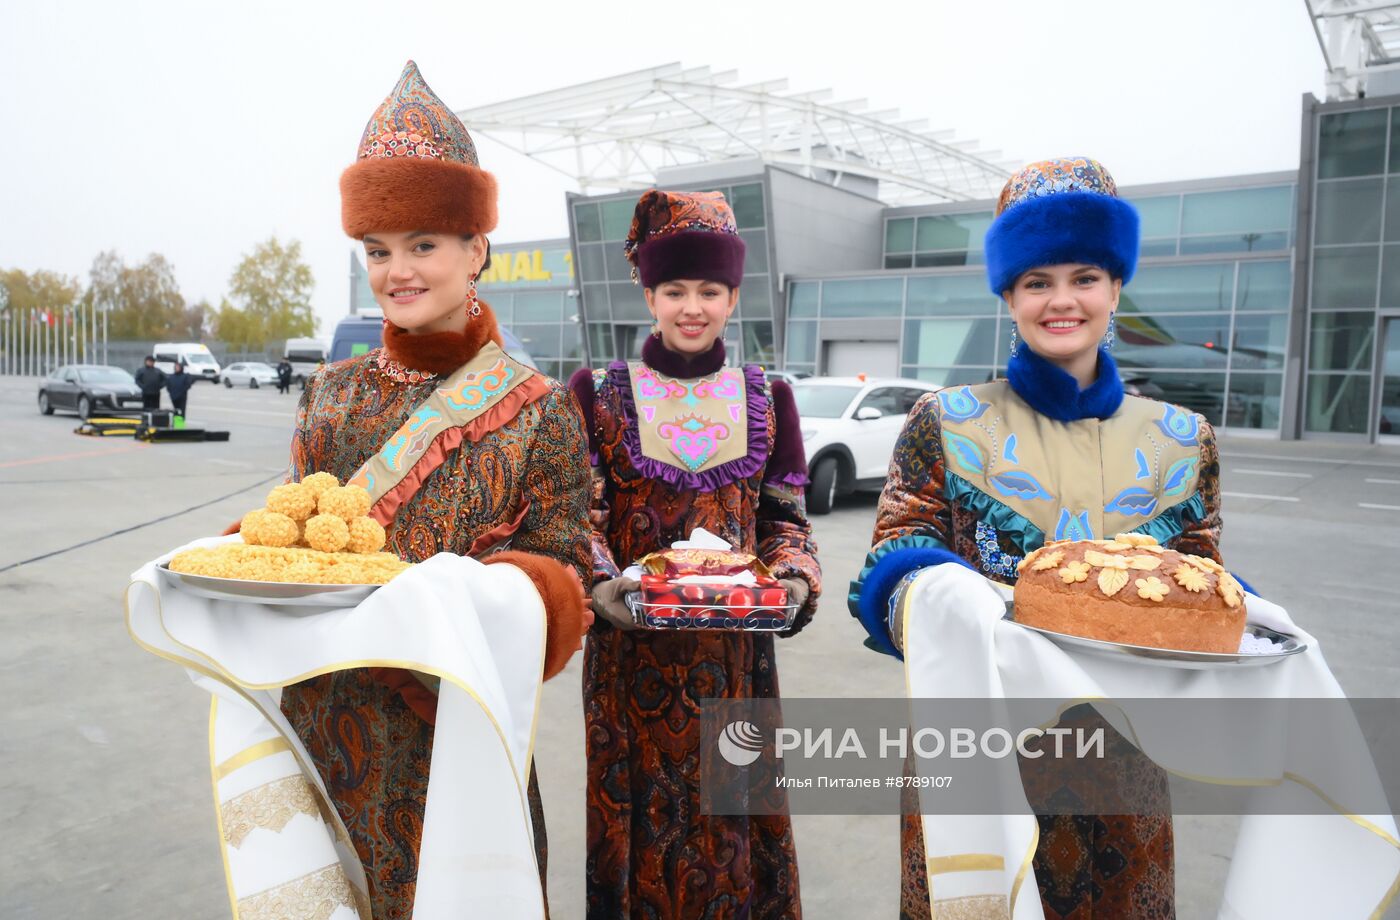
x=849, y=428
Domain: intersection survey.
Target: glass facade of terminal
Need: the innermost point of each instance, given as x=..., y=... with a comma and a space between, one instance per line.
x=1204, y=322
x=1268, y=303
x=1352, y=359
x=616, y=311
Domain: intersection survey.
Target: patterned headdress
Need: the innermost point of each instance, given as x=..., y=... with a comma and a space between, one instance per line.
x=1059, y=211
x=690, y=235
x=416, y=169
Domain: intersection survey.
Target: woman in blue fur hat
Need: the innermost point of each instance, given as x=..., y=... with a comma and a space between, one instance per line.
x=983, y=475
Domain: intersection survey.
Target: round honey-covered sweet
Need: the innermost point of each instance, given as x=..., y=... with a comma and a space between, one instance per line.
x=1132, y=591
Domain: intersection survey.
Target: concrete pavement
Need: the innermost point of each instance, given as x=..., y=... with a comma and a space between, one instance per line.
x=105, y=780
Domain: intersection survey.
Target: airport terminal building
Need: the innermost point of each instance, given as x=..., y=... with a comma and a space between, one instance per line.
x=1270, y=303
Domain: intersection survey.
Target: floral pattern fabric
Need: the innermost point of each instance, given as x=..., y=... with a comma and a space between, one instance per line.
x=651, y=854
x=371, y=749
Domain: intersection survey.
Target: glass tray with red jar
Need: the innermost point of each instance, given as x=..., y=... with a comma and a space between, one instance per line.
x=664, y=603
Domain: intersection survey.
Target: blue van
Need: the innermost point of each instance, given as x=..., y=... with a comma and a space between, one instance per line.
x=356, y=335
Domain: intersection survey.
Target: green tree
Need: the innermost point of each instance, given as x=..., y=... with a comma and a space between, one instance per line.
x=272, y=288
x=238, y=329
x=142, y=301
x=41, y=290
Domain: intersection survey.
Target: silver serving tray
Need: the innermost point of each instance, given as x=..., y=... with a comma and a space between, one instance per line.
x=265, y=592
x=643, y=615
x=1285, y=647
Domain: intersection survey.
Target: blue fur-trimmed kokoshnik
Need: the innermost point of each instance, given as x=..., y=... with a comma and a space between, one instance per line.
x=1086, y=227
x=1056, y=212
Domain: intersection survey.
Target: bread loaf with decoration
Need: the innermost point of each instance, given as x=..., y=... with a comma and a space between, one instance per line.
x=1132, y=591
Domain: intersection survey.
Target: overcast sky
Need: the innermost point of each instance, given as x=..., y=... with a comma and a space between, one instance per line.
x=196, y=130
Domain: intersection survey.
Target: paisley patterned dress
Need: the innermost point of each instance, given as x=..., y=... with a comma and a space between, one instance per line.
x=528, y=476
x=990, y=472
x=651, y=854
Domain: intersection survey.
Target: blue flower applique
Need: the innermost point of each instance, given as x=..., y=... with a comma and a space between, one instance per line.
x=960, y=405
x=1181, y=427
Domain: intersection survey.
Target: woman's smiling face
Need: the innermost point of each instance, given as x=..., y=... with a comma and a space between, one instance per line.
x=690, y=315
x=1062, y=311
x=420, y=279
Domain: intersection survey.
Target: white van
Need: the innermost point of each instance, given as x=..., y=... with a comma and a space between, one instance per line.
x=305, y=355
x=198, y=360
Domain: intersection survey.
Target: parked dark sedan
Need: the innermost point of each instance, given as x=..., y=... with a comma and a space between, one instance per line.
x=88, y=388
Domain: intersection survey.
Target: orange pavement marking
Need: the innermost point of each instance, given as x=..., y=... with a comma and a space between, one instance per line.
x=79, y=456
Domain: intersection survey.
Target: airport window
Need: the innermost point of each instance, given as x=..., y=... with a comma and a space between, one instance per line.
x=951, y=231
x=905, y=261
x=1259, y=341
x=1351, y=144
x=755, y=298
x=1254, y=400
x=600, y=342
x=1264, y=286
x=539, y=339
x=747, y=202
x=1392, y=210
x=617, y=217
x=755, y=251
x=758, y=343
x=1198, y=342
x=1338, y=403
x=942, y=342
x=1242, y=210
x=619, y=269
x=1345, y=277
x=591, y=260
x=899, y=235
x=801, y=342
x=1348, y=212
x=1181, y=288
x=947, y=259
x=501, y=304
x=627, y=302
x=1159, y=216
x=570, y=340
x=1394, y=140
x=866, y=297
x=595, y=302
x=804, y=299
x=1163, y=247
x=586, y=223
x=541, y=307
x=951, y=295
x=1234, y=242
x=1341, y=341
x=1390, y=276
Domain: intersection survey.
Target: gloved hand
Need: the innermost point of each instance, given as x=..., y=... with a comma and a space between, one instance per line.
x=608, y=603
x=797, y=590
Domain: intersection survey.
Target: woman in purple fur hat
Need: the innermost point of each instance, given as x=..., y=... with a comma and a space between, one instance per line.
x=682, y=441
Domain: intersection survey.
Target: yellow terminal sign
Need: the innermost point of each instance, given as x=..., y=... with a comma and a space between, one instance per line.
x=526, y=265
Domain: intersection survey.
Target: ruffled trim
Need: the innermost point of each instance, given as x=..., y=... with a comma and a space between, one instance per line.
x=507, y=408
x=706, y=480
x=1028, y=536
x=795, y=480
x=1172, y=523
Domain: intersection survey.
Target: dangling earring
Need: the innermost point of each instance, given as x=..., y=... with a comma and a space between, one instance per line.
x=655, y=331
x=1109, y=336
x=1015, y=341
x=473, y=305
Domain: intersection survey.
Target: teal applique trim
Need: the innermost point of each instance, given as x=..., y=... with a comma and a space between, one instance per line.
x=878, y=553
x=1027, y=535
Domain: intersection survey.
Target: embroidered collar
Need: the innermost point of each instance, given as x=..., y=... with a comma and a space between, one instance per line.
x=682, y=367
x=1054, y=393
x=398, y=372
